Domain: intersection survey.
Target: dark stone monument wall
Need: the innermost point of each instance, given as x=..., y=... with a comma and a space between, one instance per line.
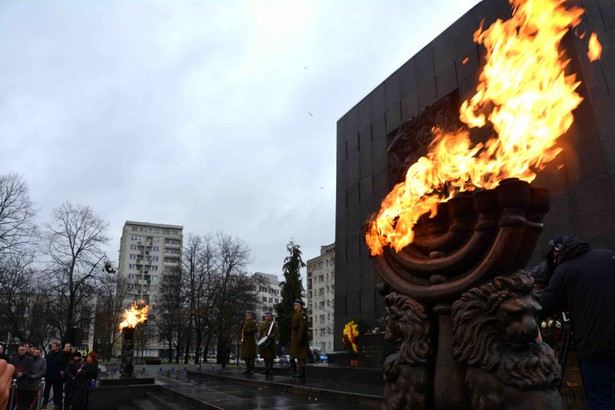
x=582, y=192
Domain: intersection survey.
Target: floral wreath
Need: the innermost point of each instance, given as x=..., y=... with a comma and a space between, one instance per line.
x=351, y=334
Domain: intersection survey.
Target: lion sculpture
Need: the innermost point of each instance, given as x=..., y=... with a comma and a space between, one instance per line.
x=406, y=372
x=495, y=339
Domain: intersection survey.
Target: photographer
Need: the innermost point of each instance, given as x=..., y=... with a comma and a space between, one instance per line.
x=581, y=280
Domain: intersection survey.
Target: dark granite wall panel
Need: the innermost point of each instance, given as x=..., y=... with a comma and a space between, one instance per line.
x=446, y=82
x=410, y=105
x=381, y=188
x=365, y=113
x=365, y=153
x=366, y=190
x=352, y=122
x=352, y=163
x=393, y=117
x=392, y=90
x=377, y=103
x=407, y=78
x=425, y=77
x=582, y=192
x=379, y=148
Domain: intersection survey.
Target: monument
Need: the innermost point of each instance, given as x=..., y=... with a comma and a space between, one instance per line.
x=453, y=236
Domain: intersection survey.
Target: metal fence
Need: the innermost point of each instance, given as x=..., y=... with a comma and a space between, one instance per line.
x=26, y=399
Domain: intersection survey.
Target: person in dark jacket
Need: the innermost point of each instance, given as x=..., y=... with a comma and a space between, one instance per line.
x=70, y=372
x=37, y=373
x=583, y=283
x=81, y=384
x=23, y=368
x=53, y=379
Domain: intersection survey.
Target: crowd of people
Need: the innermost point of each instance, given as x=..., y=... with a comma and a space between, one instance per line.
x=576, y=279
x=61, y=377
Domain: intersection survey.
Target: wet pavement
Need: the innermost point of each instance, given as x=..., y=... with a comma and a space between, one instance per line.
x=198, y=387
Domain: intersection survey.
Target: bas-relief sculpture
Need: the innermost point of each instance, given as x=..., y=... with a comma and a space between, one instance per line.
x=460, y=308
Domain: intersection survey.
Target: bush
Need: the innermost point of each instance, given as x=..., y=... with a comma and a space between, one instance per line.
x=152, y=361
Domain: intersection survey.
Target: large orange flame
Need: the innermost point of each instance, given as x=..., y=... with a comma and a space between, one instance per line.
x=526, y=98
x=134, y=316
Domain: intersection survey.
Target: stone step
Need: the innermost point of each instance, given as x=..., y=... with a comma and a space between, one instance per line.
x=168, y=399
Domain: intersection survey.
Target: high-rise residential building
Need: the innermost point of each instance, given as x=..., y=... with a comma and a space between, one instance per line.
x=147, y=252
x=321, y=297
x=268, y=294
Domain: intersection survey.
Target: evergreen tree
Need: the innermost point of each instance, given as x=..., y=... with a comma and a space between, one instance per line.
x=291, y=290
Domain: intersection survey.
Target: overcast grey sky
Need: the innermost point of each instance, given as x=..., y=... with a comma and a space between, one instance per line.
x=214, y=115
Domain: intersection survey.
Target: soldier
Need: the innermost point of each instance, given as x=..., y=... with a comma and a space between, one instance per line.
x=299, y=338
x=269, y=329
x=248, y=344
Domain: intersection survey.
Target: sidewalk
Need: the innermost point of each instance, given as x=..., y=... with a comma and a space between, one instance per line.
x=215, y=388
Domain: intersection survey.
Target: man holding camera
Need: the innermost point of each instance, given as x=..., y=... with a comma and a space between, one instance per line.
x=581, y=280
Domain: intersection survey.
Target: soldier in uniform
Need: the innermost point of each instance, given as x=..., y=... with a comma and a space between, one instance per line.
x=249, y=328
x=299, y=345
x=268, y=351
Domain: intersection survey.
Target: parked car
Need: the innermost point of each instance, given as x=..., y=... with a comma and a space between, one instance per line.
x=284, y=360
x=260, y=360
x=324, y=358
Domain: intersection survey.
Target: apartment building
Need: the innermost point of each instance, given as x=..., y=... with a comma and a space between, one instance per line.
x=268, y=295
x=147, y=252
x=321, y=296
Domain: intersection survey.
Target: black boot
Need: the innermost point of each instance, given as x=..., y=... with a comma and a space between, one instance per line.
x=293, y=367
x=301, y=374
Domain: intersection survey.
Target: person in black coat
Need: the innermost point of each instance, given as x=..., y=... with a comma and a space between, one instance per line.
x=81, y=383
x=23, y=368
x=70, y=372
x=583, y=283
x=53, y=379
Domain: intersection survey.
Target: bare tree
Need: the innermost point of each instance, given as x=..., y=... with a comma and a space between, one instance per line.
x=169, y=318
x=22, y=300
x=110, y=291
x=75, y=238
x=198, y=266
x=232, y=256
x=17, y=227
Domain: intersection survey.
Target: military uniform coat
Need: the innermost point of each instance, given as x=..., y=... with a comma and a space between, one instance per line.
x=299, y=335
x=269, y=351
x=248, y=345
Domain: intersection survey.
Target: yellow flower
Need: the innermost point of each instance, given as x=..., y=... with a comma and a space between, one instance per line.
x=351, y=333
